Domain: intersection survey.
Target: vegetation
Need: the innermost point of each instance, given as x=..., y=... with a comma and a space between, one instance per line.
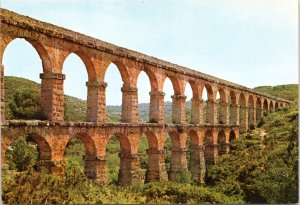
x=262, y=167
x=289, y=92
x=263, y=164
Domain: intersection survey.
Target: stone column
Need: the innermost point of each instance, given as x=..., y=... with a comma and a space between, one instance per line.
x=129, y=105
x=243, y=119
x=95, y=168
x=211, y=113
x=197, y=111
x=52, y=95
x=156, y=113
x=211, y=153
x=197, y=164
x=96, y=101
x=156, y=170
x=178, y=163
x=178, y=109
x=51, y=166
x=2, y=99
x=130, y=172
x=234, y=114
x=223, y=117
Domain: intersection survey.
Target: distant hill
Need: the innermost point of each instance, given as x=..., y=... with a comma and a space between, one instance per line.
x=288, y=92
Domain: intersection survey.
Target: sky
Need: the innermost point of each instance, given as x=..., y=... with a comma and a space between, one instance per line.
x=249, y=42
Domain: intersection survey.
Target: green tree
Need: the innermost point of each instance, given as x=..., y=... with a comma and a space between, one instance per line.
x=26, y=105
x=21, y=154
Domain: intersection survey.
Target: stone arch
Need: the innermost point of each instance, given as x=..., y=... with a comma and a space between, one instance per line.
x=195, y=138
x=152, y=78
x=40, y=49
x=251, y=111
x=175, y=139
x=210, y=93
x=153, y=141
x=177, y=87
x=195, y=89
x=88, y=142
x=44, y=148
x=86, y=61
x=208, y=138
x=222, y=94
x=125, y=144
x=123, y=72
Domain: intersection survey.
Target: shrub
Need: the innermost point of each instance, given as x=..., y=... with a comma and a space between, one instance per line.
x=21, y=154
x=26, y=105
x=261, y=122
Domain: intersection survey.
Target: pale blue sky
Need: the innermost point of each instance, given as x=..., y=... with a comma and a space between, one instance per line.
x=249, y=42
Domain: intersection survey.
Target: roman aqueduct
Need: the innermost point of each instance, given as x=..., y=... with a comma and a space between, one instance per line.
x=210, y=134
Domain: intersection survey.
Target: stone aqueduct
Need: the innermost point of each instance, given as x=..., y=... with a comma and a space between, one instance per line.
x=237, y=108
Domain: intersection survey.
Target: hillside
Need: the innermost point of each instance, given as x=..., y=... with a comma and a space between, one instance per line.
x=289, y=91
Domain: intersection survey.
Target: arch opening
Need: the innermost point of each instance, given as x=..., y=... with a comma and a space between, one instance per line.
x=168, y=88
x=251, y=112
x=243, y=113
x=266, y=107
x=76, y=71
x=188, y=103
x=113, y=150
x=221, y=106
x=23, y=101
x=258, y=109
x=276, y=106
x=114, y=80
x=143, y=146
x=143, y=96
x=271, y=106
x=222, y=144
x=208, y=104
x=24, y=151
x=233, y=108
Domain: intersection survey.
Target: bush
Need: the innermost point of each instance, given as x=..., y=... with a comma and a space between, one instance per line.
x=261, y=122
x=251, y=126
x=26, y=105
x=21, y=154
